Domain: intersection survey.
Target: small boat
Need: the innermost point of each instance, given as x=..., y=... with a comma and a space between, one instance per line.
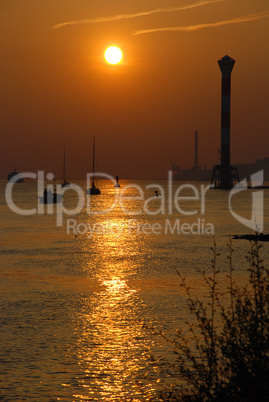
x=93, y=190
x=50, y=197
x=65, y=183
x=117, y=185
x=15, y=176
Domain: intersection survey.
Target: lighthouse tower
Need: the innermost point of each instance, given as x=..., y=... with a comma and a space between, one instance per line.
x=224, y=173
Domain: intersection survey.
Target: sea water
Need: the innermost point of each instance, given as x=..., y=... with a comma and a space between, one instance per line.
x=81, y=303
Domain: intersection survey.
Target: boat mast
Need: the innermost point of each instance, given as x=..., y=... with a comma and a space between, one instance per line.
x=64, y=168
x=93, y=161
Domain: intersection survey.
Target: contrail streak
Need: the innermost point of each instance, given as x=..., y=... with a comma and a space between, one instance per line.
x=135, y=15
x=236, y=20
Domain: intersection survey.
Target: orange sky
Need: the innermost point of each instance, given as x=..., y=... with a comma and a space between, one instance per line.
x=57, y=89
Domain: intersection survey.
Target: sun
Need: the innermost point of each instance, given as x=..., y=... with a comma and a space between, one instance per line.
x=113, y=55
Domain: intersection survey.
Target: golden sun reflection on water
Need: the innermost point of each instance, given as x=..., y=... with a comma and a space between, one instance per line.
x=113, y=350
x=116, y=285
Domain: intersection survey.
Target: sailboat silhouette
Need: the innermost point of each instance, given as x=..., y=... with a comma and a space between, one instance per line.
x=117, y=185
x=65, y=183
x=93, y=190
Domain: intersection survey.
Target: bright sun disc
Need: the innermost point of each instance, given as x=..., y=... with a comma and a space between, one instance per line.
x=113, y=55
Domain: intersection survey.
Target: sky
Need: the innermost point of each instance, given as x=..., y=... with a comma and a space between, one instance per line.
x=57, y=89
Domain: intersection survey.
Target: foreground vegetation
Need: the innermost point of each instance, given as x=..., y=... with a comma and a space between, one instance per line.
x=225, y=354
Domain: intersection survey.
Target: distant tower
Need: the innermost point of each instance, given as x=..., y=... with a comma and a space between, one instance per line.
x=224, y=173
x=196, y=151
x=226, y=65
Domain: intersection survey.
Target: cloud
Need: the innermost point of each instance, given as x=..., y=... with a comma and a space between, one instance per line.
x=236, y=20
x=135, y=15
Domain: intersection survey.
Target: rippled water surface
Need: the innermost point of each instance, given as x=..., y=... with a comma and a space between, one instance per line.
x=77, y=307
